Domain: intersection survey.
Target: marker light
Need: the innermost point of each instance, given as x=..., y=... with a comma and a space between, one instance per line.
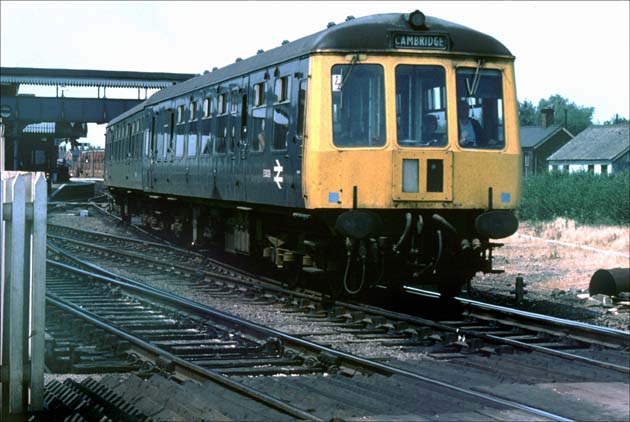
x=410, y=173
x=417, y=19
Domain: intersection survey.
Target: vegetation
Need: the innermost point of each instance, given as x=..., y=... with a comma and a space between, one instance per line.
x=584, y=197
x=578, y=118
x=616, y=120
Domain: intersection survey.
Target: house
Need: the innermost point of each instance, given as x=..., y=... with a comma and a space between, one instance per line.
x=597, y=149
x=539, y=142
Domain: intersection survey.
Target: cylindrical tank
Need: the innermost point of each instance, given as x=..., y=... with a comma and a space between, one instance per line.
x=610, y=282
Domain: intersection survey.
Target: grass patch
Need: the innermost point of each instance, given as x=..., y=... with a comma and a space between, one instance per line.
x=583, y=197
x=606, y=237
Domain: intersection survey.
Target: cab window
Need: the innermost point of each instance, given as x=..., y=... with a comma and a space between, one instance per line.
x=421, y=106
x=480, y=122
x=358, y=105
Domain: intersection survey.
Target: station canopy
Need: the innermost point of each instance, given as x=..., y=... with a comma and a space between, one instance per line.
x=89, y=78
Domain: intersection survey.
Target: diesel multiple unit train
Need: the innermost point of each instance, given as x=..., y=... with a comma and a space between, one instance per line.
x=380, y=151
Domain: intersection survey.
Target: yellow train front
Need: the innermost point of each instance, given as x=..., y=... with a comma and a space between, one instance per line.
x=392, y=154
x=417, y=130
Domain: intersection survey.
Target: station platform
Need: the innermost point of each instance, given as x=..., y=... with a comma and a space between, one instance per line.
x=77, y=190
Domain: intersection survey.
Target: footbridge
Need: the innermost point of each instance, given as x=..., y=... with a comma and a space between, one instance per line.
x=34, y=126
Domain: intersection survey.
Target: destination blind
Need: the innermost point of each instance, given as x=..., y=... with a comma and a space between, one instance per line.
x=421, y=41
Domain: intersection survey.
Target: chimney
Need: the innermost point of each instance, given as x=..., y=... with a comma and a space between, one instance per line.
x=546, y=117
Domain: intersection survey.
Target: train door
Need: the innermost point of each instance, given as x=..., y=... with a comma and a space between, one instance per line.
x=192, y=149
x=129, y=147
x=297, y=139
x=140, y=139
x=169, y=136
x=238, y=145
x=422, y=169
x=164, y=142
x=244, y=137
x=177, y=175
x=206, y=136
x=287, y=140
x=220, y=187
x=150, y=150
x=258, y=136
x=279, y=166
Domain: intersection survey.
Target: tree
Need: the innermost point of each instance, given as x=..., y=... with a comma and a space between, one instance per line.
x=577, y=118
x=616, y=120
x=527, y=114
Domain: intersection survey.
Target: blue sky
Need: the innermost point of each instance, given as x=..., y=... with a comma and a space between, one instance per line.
x=576, y=49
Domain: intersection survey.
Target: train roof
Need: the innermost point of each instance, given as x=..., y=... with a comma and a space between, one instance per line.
x=369, y=33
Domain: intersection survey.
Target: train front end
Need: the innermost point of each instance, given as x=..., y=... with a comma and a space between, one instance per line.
x=414, y=155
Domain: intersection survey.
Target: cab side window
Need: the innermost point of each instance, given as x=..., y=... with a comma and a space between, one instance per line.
x=480, y=108
x=358, y=105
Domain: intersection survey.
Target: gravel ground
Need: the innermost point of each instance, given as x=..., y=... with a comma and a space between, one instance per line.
x=556, y=275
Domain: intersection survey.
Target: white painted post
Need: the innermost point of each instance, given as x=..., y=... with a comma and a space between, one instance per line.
x=3, y=300
x=38, y=290
x=23, y=201
x=15, y=293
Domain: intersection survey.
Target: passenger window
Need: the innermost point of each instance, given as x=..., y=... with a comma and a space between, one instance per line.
x=160, y=144
x=222, y=104
x=281, y=90
x=193, y=110
x=169, y=133
x=259, y=94
x=179, y=145
x=244, y=117
x=152, y=136
x=205, y=147
x=234, y=102
x=480, y=109
x=205, y=144
x=280, y=127
x=191, y=150
x=128, y=141
x=192, y=145
x=301, y=108
x=259, y=116
x=358, y=105
x=221, y=144
x=421, y=106
x=147, y=143
x=207, y=107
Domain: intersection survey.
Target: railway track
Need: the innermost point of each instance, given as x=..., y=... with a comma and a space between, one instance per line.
x=145, y=319
x=481, y=337
x=483, y=329
x=187, y=344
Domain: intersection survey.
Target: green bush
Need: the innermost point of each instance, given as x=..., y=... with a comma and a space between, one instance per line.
x=584, y=197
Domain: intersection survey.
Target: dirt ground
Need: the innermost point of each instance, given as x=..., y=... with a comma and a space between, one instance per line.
x=557, y=261
x=561, y=255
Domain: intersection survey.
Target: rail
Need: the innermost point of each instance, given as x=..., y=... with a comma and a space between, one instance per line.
x=189, y=369
x=344, y=358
